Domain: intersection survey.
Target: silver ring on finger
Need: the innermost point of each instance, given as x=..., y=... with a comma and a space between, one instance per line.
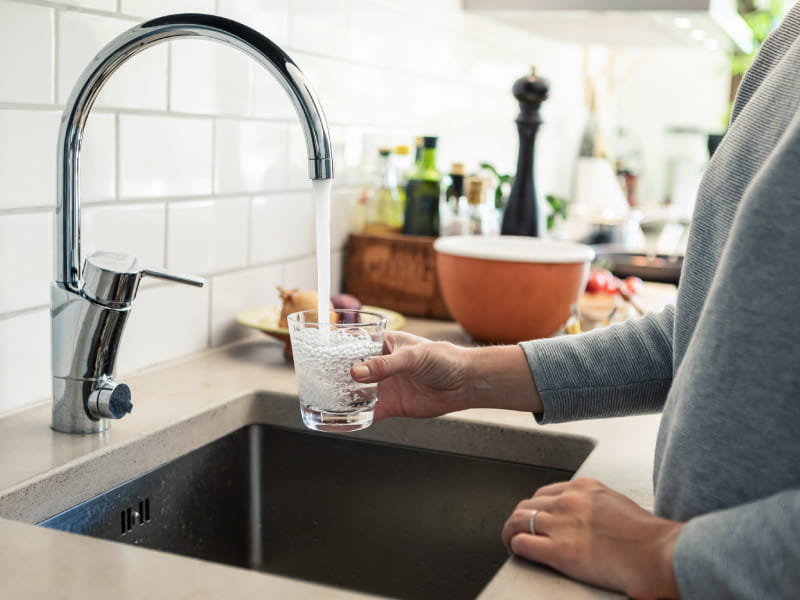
x=532, y=521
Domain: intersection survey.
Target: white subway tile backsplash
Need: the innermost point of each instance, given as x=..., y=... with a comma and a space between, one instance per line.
x=349, y=153
x=26, y=260
x=342, y=204
x=233, y=292
x=391, y=99
x=196, y=161
x=156, y=8
x=357, y=105
x=139, y=83
x=164, y=156
x=28, y=158
x=431, y=49
x=269, y=99
x=26, y=53
x=433, y=10
x=297, y=159
x=209, y=78
x=135, y=229
x=98, y=175
x=380, y=36
x=321, y=26
x=166, y=322
x=24, y=360
x=269, y=18
x=301, y=274
x=207, y=235
x=431, y=101
x=281, y=227
x=250, y=156
x=109, y=5
x=337, y=270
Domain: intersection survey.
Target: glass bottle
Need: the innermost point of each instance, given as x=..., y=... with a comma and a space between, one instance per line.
x=402, y=162
x=358, y=217
x=482, y=217
x=474, y=202
x=384, y=213
x=422, y=194
x=452, y=210
x=455, y=188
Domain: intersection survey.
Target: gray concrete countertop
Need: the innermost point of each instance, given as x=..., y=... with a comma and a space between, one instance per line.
x=185, y=404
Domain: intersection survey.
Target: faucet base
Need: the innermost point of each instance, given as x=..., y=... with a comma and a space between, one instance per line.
x=69, y=412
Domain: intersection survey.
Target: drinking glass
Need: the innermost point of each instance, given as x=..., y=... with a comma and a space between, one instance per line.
x=330, y=399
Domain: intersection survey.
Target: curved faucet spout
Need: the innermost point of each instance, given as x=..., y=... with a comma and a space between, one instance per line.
x=133, y=41
x=89, y=310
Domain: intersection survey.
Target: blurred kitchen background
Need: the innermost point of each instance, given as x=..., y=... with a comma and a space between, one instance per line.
x=194, y=161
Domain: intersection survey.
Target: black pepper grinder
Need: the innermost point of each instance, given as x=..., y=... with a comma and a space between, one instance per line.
x=521, y=216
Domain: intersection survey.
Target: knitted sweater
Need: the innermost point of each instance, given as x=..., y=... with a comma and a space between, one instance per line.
x=724, y=364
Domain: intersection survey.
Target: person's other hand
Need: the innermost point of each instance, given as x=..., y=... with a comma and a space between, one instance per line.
x=596, y=535
x=417, y=377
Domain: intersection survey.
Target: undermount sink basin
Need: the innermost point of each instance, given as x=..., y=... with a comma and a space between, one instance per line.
x=358, y=513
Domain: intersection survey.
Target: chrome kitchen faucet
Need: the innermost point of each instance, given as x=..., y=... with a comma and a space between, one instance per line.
x=88, y=309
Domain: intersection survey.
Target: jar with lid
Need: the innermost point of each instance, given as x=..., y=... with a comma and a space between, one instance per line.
x=453, y=219
x=482, y=215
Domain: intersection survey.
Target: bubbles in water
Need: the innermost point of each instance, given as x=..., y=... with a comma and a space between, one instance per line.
x=322, y=360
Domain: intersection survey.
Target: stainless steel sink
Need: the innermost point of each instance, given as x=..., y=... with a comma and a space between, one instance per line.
x=382, y=518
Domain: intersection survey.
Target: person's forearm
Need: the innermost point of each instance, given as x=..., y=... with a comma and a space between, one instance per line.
x=499, y=377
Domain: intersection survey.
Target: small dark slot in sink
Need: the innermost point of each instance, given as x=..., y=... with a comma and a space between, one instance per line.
x=373, y=517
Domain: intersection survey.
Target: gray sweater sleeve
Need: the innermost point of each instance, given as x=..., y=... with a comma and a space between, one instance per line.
x=749, y=551
x=620, y=370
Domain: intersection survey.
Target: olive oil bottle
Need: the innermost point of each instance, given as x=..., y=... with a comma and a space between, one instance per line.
x=422, y=194
x=385, y=210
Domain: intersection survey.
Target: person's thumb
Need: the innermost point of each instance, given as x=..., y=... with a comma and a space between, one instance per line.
x=381, y=367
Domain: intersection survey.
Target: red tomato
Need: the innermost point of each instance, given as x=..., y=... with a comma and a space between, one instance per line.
x=633, y=285
x=602, y=281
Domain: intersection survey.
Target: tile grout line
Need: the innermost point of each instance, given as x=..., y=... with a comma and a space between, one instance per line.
x=30, y=106
x=210, y=312
x=344, y=58
x=214, y=176
x=156, y=113
x=18, y=210
x=169, y=77
x=26, y=210
x=282, y=263
x=349, y=188
x=250, y=201
x=165, y=236
x=79, y=9
x=56, y=53
x=21, y=312
x=117, y=158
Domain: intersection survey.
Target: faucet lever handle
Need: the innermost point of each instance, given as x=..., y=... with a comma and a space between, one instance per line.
x=177, y=277
x=112, y=279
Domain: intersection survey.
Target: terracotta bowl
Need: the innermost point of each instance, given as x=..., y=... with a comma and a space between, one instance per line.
x=506, y=289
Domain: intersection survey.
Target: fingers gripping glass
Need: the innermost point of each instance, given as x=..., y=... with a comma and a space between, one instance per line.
x=330, y=400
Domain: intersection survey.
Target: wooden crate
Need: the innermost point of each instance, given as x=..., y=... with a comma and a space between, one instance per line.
x=395, y=271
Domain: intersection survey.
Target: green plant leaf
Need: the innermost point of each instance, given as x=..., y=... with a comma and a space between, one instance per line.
x=558, y=209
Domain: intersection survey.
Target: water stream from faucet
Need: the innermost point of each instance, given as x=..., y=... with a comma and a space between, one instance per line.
x=321, y=194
